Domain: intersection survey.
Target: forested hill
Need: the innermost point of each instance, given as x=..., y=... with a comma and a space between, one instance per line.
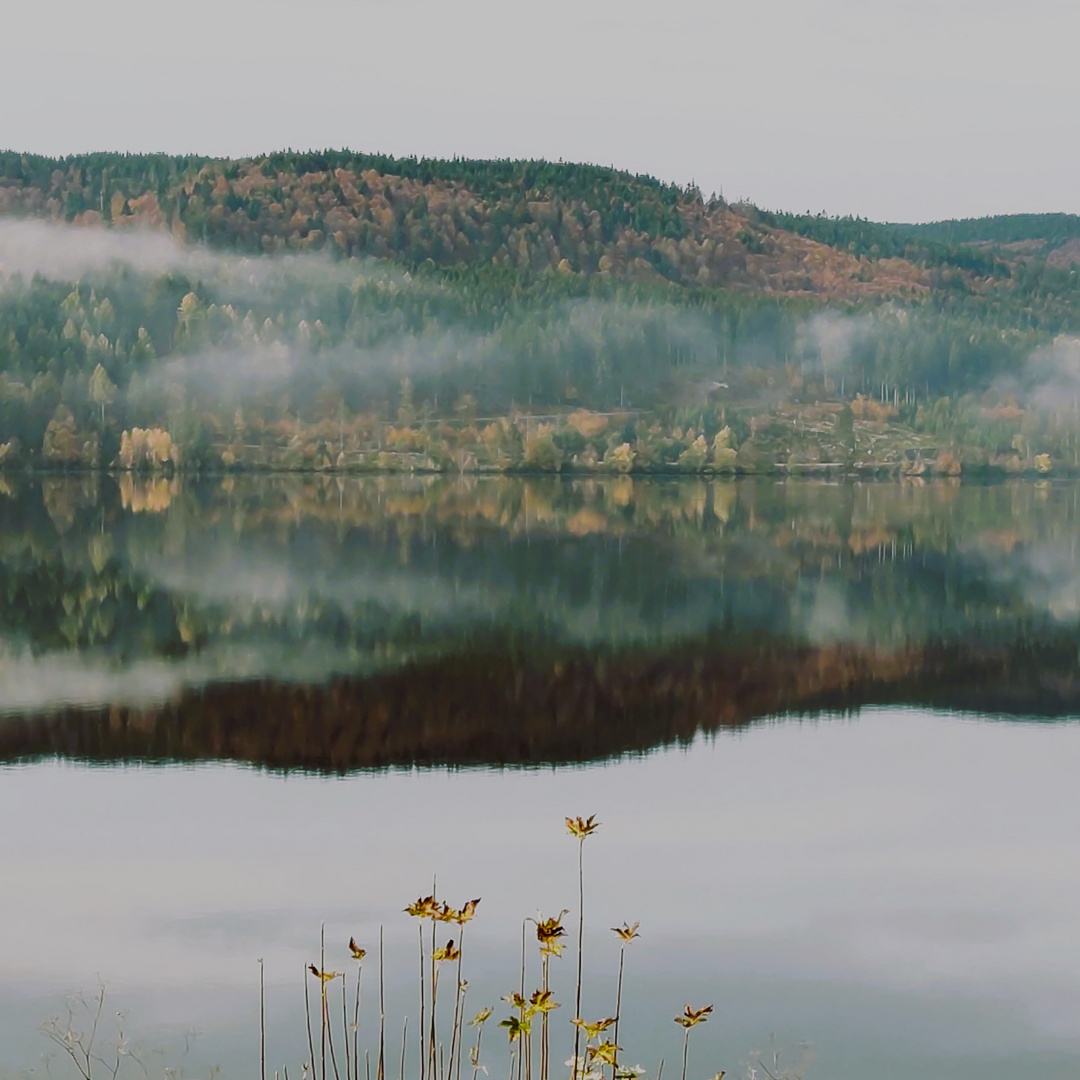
x=470, y=315
x=526, y=216
x=1001, y=230
x=992, y=247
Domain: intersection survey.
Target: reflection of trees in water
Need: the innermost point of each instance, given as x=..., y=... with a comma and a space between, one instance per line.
x=375, y=572
x=499, y=708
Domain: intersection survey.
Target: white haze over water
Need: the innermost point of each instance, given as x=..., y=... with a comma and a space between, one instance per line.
x=53, y=681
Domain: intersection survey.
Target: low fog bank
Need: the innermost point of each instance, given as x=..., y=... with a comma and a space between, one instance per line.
x=67, y=253
x=49, y=682
x=561, y=354
x=30, y=247
x=248, y=325
x=303, y=360
x=1050, y=379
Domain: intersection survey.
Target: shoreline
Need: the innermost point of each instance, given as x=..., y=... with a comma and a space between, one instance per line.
x=785, y=470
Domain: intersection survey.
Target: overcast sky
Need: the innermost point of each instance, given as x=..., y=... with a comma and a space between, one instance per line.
x=908, y=110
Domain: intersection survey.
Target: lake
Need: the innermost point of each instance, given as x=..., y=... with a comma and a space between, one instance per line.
x=828, y=730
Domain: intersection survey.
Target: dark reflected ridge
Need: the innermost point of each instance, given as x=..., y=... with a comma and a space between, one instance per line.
x=308, y=622
x=502, y=710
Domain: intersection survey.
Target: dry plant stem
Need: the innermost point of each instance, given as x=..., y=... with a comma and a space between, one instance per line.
x=457, y=999
x=307, y=1014
x=765, y=1068
x=461, y=1034
x=75, y=1048
x=434, y=976
x=322, y=994
x=431, y=1040
x=618, y=1014
x=381, y=1071
x=476, y=1052
x=521, y=1040
x=262, y=1019
x=544, y=1022
x=580, y=944
x=344, y=1027
x=356, y=1022
x=93, y=1030
x=524, y=925
x=330, y=1035
x=367, y=1064
x=434, y=997
x=685, y=1048
x=120, y=1051
x=660, y=1071
x=420, y=927
x=404, y=1035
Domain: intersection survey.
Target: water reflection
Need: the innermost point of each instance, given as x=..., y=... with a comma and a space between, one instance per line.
x=337, y=623
x=898, y=889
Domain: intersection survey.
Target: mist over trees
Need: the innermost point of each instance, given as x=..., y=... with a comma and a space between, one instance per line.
x=157, y=310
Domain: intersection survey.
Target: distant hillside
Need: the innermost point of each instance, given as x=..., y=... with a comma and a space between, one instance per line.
x=1002, y=230
x=987, y=246
x=528, y=216
x=471, y=315
x=1051, y=238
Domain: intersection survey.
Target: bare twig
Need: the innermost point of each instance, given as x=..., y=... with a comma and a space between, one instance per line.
x=307, y=1015
x=381, y=1071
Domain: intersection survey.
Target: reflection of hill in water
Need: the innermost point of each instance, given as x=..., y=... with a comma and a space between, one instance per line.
x=498, y=709
x=338, y=624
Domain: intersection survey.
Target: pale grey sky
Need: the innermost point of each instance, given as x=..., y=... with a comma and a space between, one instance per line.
x=903, y=111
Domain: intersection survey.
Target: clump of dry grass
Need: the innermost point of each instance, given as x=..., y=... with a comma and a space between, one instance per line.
x=437, y=1061
x=589, y=1062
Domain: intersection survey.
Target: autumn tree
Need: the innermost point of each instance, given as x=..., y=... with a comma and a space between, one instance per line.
x=102, y=390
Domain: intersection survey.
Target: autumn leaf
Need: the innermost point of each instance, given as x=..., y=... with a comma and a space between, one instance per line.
x=605, y=1052
x=426, y=907
x=543, y=1001
x=594, y=1030
x=447, y=952
x=548, y=931
x=515, y=1027
x=468, y=912
x=691, y=1017
x=582, y=827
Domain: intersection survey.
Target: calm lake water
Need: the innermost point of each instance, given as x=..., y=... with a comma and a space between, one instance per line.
x=828, y=730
